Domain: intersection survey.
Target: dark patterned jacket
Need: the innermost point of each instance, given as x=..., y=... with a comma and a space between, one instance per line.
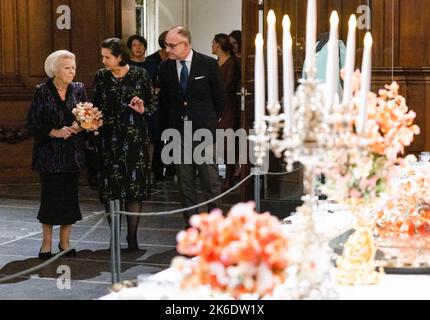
x=47, y=112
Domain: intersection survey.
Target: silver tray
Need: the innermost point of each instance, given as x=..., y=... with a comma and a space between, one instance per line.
x=394, y=259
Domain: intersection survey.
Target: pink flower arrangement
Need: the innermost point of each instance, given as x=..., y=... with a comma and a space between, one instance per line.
x=407, y=212
x=242, y=253
x=88, y=116
x=390, y=123
x=364, y=174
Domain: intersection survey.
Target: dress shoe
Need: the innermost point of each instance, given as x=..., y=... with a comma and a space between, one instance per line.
x=132, y=244
x=71, y=253
x=45, y=255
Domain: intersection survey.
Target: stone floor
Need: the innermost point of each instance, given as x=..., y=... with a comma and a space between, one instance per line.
x=20, y=240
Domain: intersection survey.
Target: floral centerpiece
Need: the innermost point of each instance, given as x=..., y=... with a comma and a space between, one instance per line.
x=407, y=213
x=89, y=117
x=403, y=218
x=361, y=174
x=242, y=253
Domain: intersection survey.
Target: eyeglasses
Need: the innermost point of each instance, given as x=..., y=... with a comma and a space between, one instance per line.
x=172, y=46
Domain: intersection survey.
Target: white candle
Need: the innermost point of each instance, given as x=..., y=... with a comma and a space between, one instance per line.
x=288, y=72
x=332, y=70
x=350, y=60
x=259, y=80
x=311, y=33
x=366, y=74
x=272, y=60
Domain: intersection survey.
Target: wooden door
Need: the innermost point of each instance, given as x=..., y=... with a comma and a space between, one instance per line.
x=250, y=13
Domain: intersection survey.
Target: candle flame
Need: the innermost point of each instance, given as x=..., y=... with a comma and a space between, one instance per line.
x=368, y=41
x=286, y=23
x=271, y=18
x=334, y=18
x=259, y=40
x=352, y=22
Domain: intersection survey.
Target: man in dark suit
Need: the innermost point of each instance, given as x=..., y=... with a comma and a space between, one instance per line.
x=191, y=91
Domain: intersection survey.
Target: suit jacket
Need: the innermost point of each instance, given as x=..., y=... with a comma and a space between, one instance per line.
x=204, y=100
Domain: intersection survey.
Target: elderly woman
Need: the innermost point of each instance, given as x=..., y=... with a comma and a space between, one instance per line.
x=57, y=152
x=125, y=95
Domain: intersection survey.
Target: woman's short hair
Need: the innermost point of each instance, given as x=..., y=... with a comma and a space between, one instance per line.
x=118, y=48
x=139, y=38
x=224, y=42
x=52, y=63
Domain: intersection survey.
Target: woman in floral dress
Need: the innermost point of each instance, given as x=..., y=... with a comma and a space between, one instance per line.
x=124, y=94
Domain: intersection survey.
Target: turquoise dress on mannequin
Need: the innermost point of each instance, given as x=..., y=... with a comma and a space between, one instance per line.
x=321, y=57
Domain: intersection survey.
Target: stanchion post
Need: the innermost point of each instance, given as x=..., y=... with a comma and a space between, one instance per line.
x=257, y=188
x=113, y=241
x=118, y=240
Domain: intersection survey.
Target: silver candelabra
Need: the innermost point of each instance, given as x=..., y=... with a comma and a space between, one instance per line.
x=320, y=130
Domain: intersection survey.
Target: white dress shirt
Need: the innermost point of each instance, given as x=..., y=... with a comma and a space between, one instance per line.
x=188, y=61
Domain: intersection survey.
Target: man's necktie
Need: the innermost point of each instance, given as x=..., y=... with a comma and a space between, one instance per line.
x=184, y=77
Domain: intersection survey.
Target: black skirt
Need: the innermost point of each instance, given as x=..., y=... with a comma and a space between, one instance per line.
x=59, y=203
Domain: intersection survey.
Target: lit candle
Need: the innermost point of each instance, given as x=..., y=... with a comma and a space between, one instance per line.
x=350, y=60
x=332, y=71
x=272, y=60
x=288, y=72
x=311, y=33
x=259, y=80
x=366, y=74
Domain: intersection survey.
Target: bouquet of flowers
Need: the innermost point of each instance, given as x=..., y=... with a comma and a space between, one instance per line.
x=89, y=117
x=243, y=253
x=363, y=174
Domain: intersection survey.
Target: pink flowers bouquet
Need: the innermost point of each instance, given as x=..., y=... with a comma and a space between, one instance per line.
x=243, y=253
x=407, y=212
x=89, y=117
x=389, y=129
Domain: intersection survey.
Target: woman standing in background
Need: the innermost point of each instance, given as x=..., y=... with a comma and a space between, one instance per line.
x=230, y=73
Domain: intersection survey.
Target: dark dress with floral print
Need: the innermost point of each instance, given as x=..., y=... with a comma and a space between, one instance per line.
x=123, y=141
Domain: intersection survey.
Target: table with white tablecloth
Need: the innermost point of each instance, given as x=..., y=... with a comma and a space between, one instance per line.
x=331, y=221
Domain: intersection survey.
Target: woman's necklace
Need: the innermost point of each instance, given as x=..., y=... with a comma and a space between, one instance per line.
x=59, y=88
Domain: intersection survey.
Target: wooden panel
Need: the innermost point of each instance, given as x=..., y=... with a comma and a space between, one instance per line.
x=249, y=31
x=16, y=167
x=9, y=58
x=426, y=104
x=61, y=38
x=414, y=33
x=39, y=35
x=85, y=41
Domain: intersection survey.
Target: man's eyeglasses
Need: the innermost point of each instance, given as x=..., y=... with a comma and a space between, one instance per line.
x=172, y=46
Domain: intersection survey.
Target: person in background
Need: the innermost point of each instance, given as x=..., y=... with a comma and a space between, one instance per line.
x=152, y=62
x=230, y=73
x=137, y=46
x=124, y=94
x=192, y=92
x=58, y=152
x=235, y=38
x=152, y=66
